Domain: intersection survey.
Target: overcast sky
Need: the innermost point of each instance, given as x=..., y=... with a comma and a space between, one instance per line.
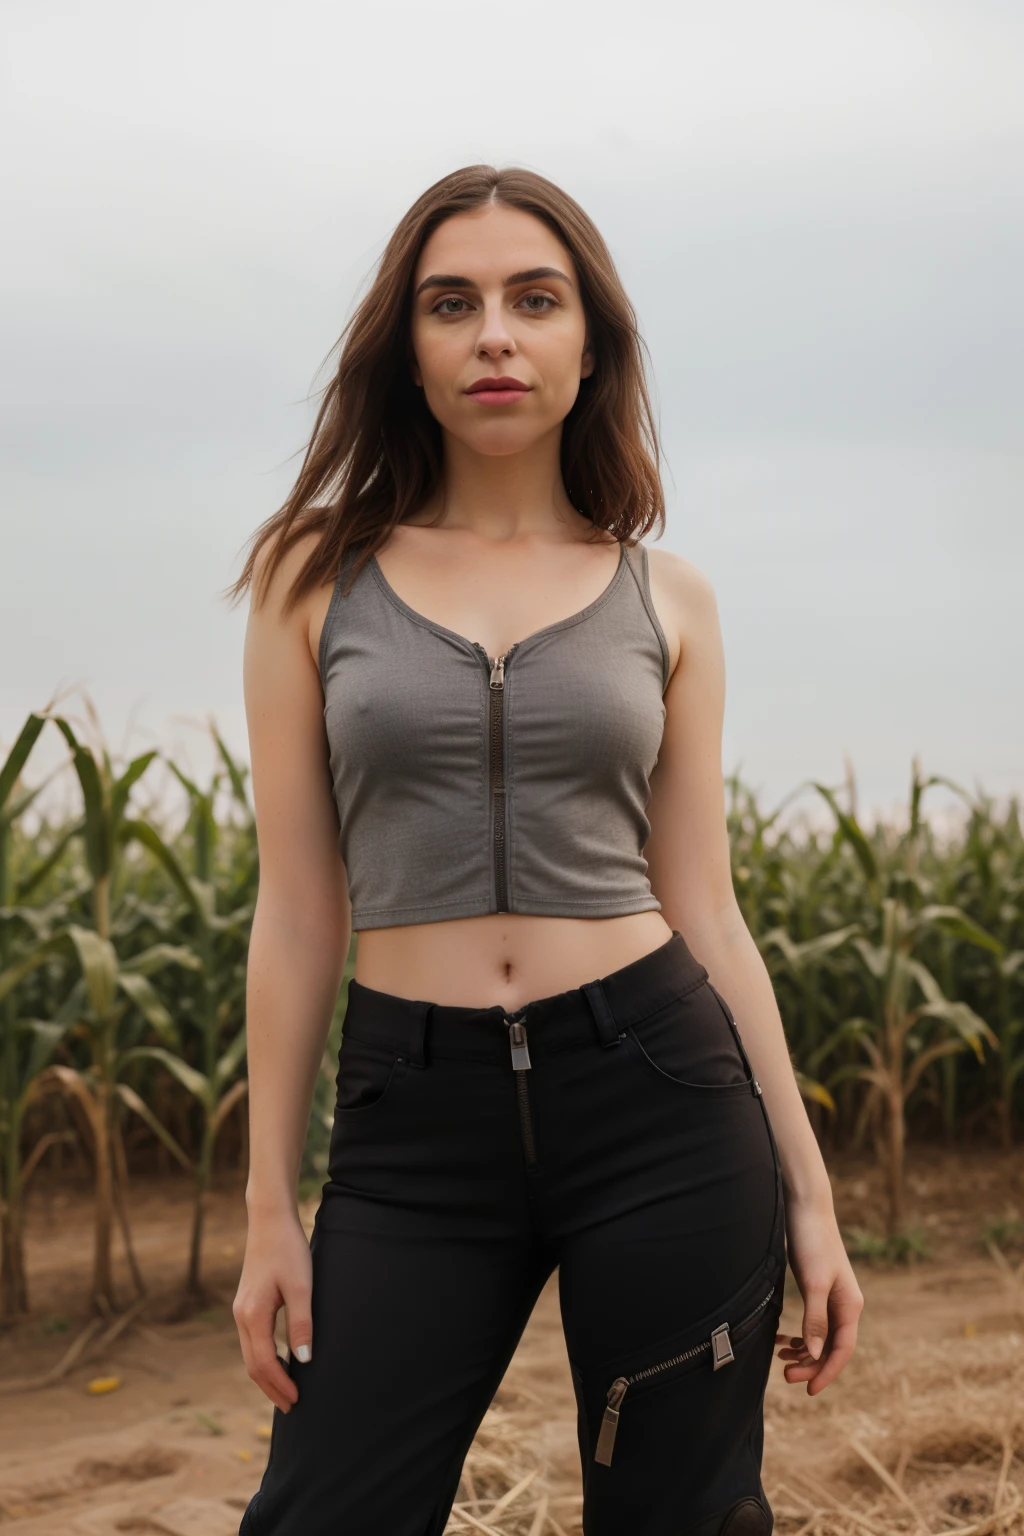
x=816, y=208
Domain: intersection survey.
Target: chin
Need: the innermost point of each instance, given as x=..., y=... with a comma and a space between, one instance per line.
x=501, y=438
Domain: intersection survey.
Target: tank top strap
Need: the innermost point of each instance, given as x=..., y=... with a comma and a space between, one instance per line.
x=637, y=560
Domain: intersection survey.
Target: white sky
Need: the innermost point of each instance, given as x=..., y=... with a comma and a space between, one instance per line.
x=816, y=208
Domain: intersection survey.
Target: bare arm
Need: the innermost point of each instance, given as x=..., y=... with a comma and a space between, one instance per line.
x=300, y=937
x=689, y=866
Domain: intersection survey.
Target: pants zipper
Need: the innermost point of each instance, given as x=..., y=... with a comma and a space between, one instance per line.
x=497, y=767
x=720, y=1345
x=520, y=1067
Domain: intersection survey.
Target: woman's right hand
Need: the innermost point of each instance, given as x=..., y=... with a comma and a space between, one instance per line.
x=277, y=1271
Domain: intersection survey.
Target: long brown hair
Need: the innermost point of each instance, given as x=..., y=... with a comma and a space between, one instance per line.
x=376, y=454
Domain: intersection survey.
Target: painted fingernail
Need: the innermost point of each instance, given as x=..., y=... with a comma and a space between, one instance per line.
x=304, y=1353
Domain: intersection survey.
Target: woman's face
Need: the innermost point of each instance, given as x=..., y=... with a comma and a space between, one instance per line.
x=495, y=300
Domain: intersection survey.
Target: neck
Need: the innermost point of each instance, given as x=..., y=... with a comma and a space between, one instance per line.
x=503, y=496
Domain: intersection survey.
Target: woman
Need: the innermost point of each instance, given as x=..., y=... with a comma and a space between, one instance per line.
x=485, y=729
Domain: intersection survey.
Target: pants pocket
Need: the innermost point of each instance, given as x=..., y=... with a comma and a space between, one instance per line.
x=713, y=1347
x=366, y=1073
x=671, y=1434
x=691, y=1043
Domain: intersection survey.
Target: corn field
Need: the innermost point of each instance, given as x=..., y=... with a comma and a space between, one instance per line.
x=896, y=954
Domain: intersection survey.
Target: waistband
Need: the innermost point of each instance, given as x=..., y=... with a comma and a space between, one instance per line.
x=598, y=1009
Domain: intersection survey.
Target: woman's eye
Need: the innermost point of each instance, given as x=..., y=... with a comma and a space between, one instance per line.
x=444, y=309
x=537, y=303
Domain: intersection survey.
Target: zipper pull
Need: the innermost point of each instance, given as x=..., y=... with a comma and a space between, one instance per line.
x=610, y=1422
x=721, y=1346
x=517, y=1040
x=498, y=671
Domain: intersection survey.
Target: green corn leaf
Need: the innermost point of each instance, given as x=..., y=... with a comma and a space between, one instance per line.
x=20, y=804
x=46, y=1035
x=233, y=771
x=98, y=845
x=876, y=959
x=140, y=990
x=18, y=755
x=191, y=788
x=933, y=993
x=157, y=956
x=32, y=881
x=196, y=1083
x=122, y=787
x=852, y=1072
x=852, y=833
x=813, y=950
x=235, y=1092
x=98, y=960
x=13, y=975
x=959, y=926
x=227, y=1066
x=778, y=938
x=810, y=951
x=142, y=832
x=849, y=1029
x=234, y=922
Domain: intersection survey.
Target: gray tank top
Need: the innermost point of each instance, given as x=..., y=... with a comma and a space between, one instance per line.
x=467, y=784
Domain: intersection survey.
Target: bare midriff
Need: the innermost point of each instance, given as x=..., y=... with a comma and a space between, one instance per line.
x=504, y=959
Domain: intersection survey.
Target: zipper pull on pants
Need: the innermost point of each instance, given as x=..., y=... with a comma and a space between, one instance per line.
x=520, y=1049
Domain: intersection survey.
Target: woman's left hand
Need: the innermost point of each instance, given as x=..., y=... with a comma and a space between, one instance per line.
x=833, y=1300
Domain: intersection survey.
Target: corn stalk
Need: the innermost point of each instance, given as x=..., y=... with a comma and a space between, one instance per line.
x=109, y=988
x=913, y=1024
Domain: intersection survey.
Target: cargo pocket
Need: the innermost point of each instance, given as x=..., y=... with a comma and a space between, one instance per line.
x=714, y=1351
x=686, y=1401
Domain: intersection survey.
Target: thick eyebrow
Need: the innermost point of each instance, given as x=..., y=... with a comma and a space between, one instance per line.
x=445, y=280
x=534, y=275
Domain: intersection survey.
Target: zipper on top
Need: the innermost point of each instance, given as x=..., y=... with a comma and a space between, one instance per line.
x=520, y=1066
x=496, y=696
x=718, y=1342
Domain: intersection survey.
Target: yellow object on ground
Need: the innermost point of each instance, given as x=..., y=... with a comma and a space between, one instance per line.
x=104, y=1384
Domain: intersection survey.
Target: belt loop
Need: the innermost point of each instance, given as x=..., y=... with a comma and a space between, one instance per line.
x=418, y=1034
x=607, y=1028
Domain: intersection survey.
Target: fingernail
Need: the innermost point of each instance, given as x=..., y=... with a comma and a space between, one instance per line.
x=814, y=1345
x=304, y=1353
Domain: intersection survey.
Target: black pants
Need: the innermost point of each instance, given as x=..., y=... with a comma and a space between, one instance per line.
x=618, y=1134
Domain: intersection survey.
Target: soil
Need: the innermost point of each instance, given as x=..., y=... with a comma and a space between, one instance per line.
x=923, y=1432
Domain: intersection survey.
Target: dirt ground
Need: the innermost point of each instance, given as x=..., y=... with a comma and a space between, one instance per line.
x=924, y=1431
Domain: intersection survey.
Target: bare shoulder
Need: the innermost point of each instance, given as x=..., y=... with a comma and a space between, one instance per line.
x=270, y=588
x=304, y=621
x=680, y=579
x=685, y=602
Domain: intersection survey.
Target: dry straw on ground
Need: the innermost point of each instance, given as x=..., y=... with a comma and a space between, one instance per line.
x=927, y=1442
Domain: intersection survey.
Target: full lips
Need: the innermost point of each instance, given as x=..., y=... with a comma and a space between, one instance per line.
x=498, y=389
x=498, y=396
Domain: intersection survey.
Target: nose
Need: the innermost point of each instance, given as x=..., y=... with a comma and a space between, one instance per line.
x=494, y=339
